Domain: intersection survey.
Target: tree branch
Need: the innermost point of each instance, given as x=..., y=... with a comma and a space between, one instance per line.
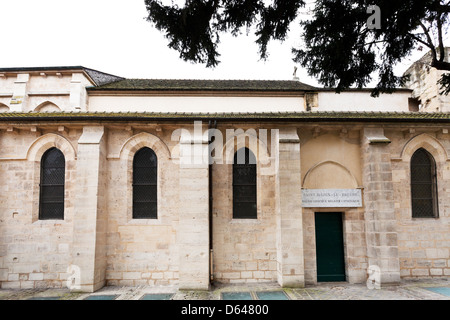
x=374, y=42
x=412, y=35
x=441, y=42
x=441, y=65
x=430, y=41
x=445, y=8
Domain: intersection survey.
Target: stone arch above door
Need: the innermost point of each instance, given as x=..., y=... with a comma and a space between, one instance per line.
x=329, y=175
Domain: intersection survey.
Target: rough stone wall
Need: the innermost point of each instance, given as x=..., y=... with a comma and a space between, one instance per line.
x=244, y=249
x=88, y=253
x=289, y=213
x=423, y=243
x=355, y=245
x=193, y=236
x=141, y=252
x=379, y=201
x=128, y=251
x=33, y=253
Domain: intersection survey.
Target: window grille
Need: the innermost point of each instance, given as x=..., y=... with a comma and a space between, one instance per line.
x=244, y=185
x=145, y=175
x=423, y=185
x=51, y=196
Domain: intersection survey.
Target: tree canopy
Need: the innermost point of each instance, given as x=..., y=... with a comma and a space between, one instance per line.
x=342, y=47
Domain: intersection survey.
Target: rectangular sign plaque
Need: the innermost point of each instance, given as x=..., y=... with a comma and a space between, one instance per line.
x=322, y=198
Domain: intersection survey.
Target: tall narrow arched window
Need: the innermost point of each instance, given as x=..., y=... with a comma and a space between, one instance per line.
x=145, y=175
x=424, y=200
x=244, y=185
x=51, y=196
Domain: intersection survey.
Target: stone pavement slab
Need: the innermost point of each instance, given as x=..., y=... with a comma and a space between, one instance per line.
x=429, y=289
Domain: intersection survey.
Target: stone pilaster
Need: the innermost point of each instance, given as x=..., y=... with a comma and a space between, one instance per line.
x=77, y=93
x=380, y=220
x=290, y=262
x=193, y=232
x=89, y=222
x=19, y=98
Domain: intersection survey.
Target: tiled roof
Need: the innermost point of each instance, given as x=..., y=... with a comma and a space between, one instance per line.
x=207, y=85
x=101, y=78
x=269, y=116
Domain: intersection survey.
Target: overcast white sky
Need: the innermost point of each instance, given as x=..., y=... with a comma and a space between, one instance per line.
x=112, y=36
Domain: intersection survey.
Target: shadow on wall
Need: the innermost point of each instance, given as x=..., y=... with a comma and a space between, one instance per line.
x=329, y=175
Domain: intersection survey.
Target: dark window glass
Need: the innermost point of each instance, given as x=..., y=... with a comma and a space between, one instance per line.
x=145, y=174
x=244, y=185
x=423, y=185
x=51, y=197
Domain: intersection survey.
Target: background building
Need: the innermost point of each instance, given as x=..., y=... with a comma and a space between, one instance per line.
x=423, y=79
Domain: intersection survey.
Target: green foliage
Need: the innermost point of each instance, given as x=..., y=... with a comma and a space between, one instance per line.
x=340, y=49
x=188, y=29
x=193, y=30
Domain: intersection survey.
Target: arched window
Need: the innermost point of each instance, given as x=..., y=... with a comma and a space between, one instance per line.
x=423, y=185
x=145, y=174
x=244, y=185
x=51, y=197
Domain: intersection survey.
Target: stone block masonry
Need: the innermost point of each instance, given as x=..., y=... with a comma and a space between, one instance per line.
x=89, y=242
x=290, y=261
x=423, y=242
x=193, y=232
x=99, y=236
x=380, y=220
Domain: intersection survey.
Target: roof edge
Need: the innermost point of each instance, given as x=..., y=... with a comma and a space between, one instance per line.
x=95, y=76
x=344, y=116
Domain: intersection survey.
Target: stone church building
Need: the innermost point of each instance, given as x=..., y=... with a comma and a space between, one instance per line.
x=113, y=181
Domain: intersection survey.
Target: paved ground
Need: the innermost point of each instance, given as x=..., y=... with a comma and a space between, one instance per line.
x=431, y=289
